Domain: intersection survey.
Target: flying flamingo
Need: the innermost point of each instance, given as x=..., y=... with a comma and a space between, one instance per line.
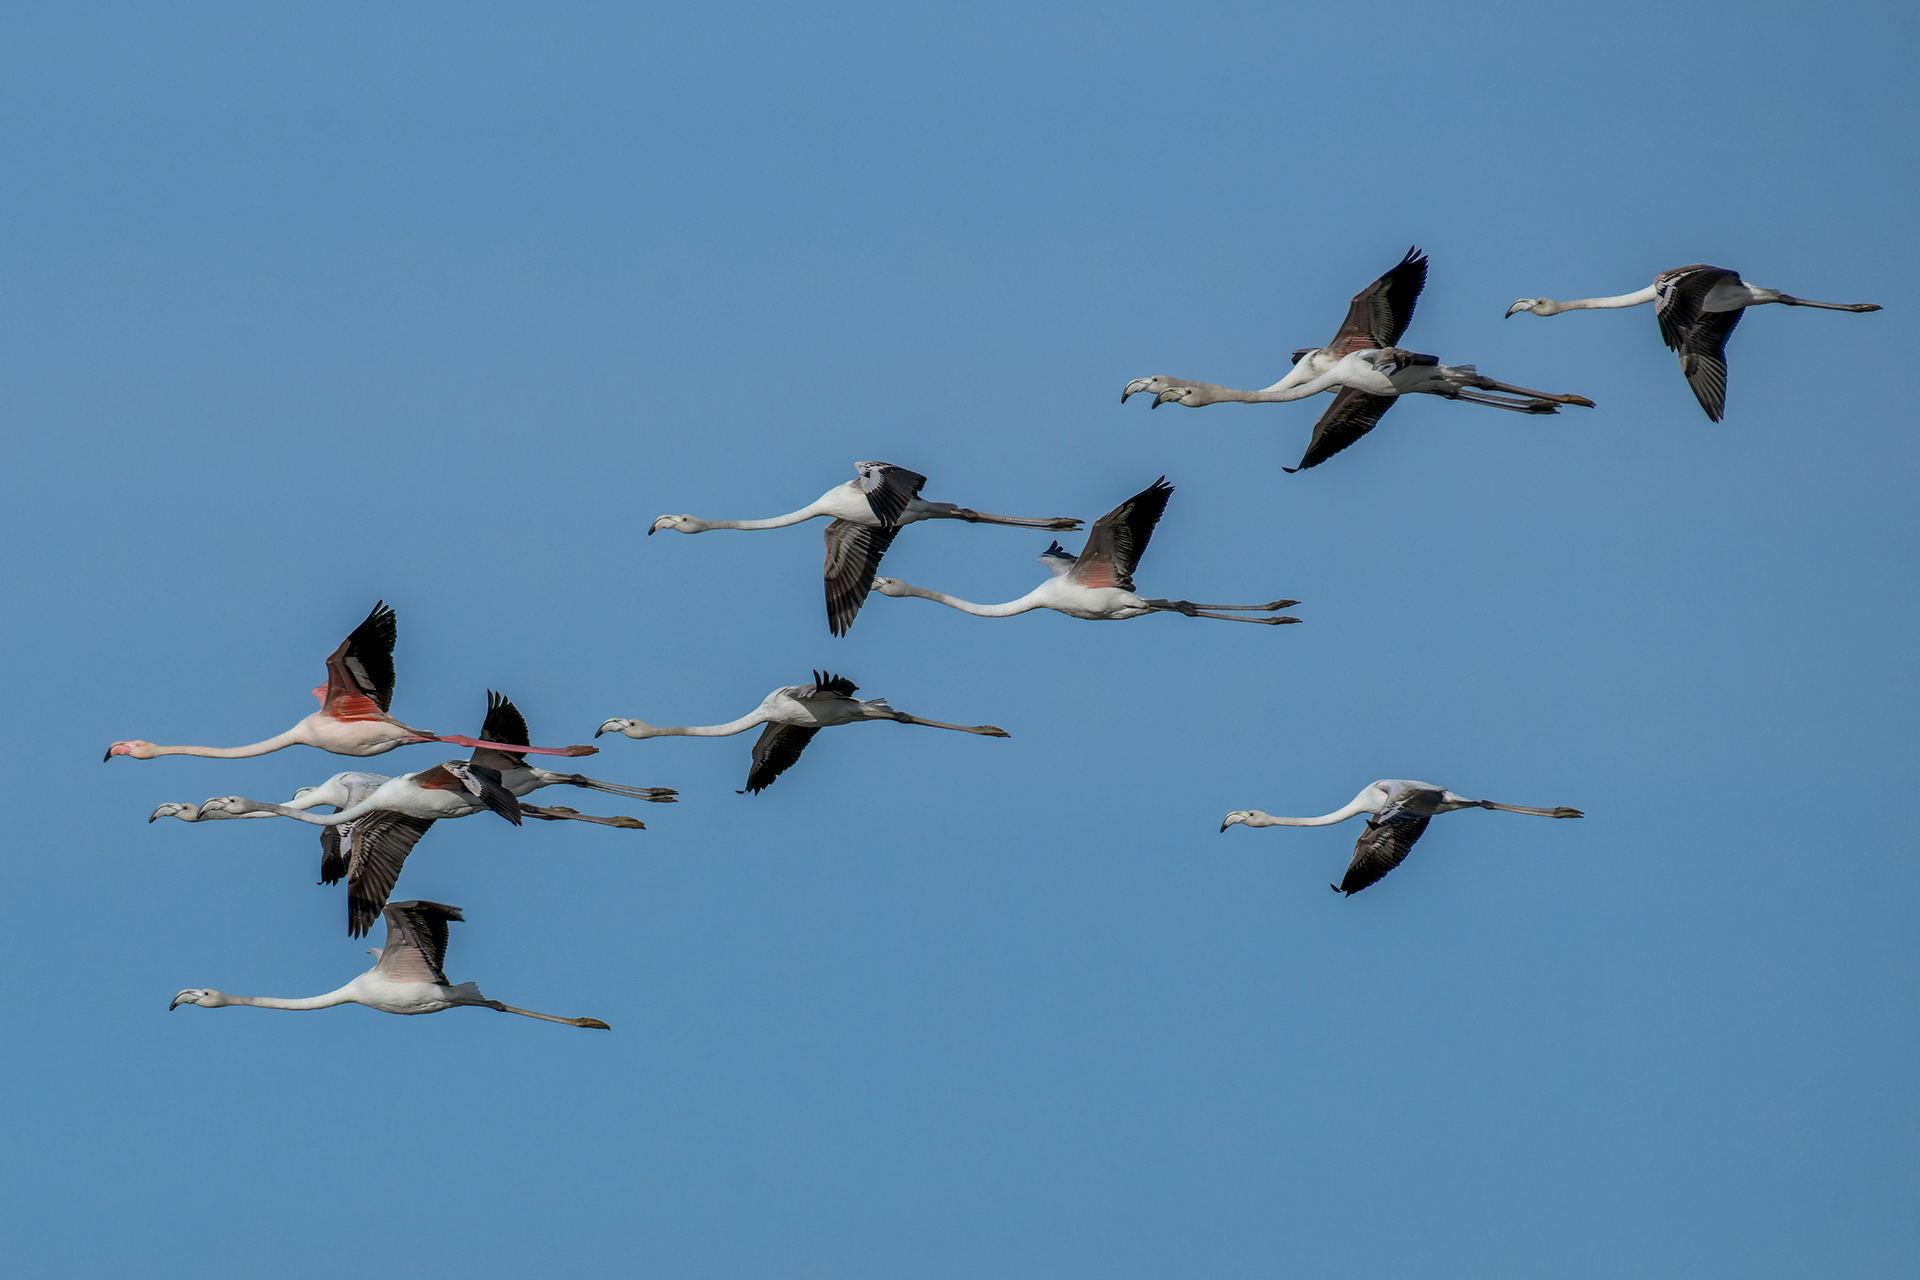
x=353, y=719
x=1398, y=812
x=378, y=820
x=406, y=977
x=792, y=716
x=387, y=821
x=867, y=512
x=1098, y=583
x=1369, y=338
x=1697, y=307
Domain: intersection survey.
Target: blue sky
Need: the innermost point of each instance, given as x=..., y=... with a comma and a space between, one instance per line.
x=443, y=304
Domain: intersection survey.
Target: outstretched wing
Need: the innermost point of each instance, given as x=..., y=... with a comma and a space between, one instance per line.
x=1352, y=414
x=828, y=685
x=360, y=671
x=504, y=723
x=1379, y=313
x=853, y=557
x=381, y=842
x=1703, y=358
x=416, y=949
x=779, y=746
x=1382, y=847
x=1119, y=538
x=888, y=489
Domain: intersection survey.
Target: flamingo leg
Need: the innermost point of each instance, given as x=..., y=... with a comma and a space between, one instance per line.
x=986, y=730
x=1488, y=384
x=1792, y=301
x=560, y=813
x=1531, y=406
x=458, y=740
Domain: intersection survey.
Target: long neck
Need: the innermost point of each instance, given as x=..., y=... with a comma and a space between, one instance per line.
x=1281, y=393
x=1007, y=610
x=291, y=738
x=1600, y=304
x=326, y=1001
x=774, y=522
x=339, y=818
x=1359, y=806
x=727, y=730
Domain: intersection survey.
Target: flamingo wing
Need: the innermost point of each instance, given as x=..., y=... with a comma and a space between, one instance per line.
x=888, y=489
x=380, y=843
x=1379, y=313
x=478, y=781
x=1383, y=846
x=360, y=671
x=1119, y=538
x=504, y=723
x=853, y=558
x=416, y=949
x=778, y=747
x=1352, y=414
x=1696, y=335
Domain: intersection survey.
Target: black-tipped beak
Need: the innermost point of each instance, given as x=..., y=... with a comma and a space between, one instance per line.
x=1156, y=402
x=652, y=529
x=1124, y=395
x=108, y=756
x=597, y=732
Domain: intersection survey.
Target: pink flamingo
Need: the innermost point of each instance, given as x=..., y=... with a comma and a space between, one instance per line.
x=353, y=719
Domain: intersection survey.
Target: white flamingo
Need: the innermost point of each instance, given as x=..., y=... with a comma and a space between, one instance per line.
x=353, y=719
x=407, y=975
x=1097, y=584
x=867, y=512
x=1376, y=318
x=792, y=716
x=378, y=820
x=1697, y=306
x=1399, y=810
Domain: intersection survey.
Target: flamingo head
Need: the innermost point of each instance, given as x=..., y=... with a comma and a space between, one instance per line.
x=685, y=524
x=228, y=806
x=1156, y=384
x=137, y=749
x=889, y=587
x=1237, y=818
x=174, y=809
x=632, y=728
x=1530, y=305
x=1193, y=397
x=206, y=997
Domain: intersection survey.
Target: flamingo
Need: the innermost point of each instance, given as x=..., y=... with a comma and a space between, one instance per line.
x=867, y=512
x=1353, y=361
x=792, y=716
x=353, y=719
x=1398, y=812
x=378, y=820
x=1098, y=583
x=387, y=821
x=1697, y=306
x=407, y=975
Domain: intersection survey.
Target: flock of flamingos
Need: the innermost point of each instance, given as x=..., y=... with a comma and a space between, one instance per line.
x=376, y=820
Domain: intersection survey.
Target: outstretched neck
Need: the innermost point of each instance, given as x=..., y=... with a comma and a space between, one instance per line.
x=1324, y=820
x=1549, y=307
x=1007, y=610
x=773, y=522
x=326, y=1001
x=291, y=738
x=726, y=730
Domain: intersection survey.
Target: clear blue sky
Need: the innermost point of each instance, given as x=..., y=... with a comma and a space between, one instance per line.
x=308, y=306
